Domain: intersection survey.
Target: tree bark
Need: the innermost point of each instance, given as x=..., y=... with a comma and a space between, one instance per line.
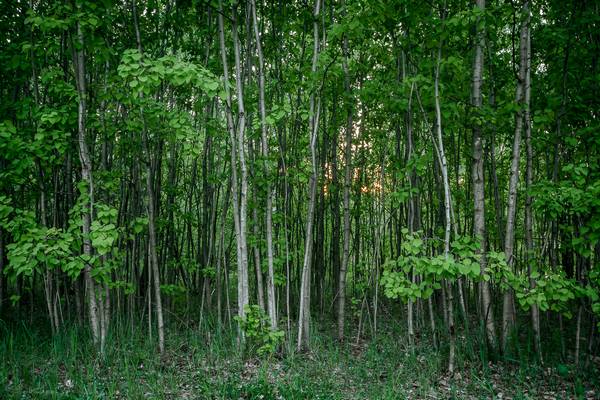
x=447, y=207
x=508, y=315
x=535, y=311
x=237, y=154
x=341, y=298
x=265, y=154
x=150, y=173
x=86, y=176
x=260, y=295
x=313, y=126
x=478, y=179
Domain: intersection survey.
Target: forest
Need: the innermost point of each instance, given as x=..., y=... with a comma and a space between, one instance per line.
x=332, y=199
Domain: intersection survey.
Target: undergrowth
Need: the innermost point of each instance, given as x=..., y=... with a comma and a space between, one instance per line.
x=200, y=364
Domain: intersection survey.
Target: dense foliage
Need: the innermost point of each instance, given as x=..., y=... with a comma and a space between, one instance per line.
x=263, y=165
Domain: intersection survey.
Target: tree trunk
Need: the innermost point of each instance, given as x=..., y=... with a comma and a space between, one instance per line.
x=265, y=153
x=150, y=173
x=86, y=176
x=535, y=312
x=478, y=180
x=260, y=295
x=237, y=154
x=508, y=316
x=341, y=298
x=313, y=126
x=447, y=207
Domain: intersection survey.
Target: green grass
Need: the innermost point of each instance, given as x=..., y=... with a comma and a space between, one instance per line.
x=199, y=365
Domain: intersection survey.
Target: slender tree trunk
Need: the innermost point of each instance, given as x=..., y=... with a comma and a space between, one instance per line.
x=578, y=335
x=335, y=204
x=48, y=273
x=491, y=154
x=86, y=176
x=243, y=287
x=315, y=108
x=150, y=173
x=257, y=263
x=265, y=154
x=593, y=328
x=478, y=179
x=447, y=207
x=341, y=298
x=412, y=207
x=413, y=215
x=237, y=154
x=221, y=253
x=535, y=311
x=508, y=315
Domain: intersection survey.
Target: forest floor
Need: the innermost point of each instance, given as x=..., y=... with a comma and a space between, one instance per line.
x=205, y=366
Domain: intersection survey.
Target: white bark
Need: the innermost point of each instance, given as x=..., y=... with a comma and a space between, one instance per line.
x=315, y=108
x=86, y=176
x=237, y=154
x=341, y=297
x=447, y=207
x=265, y=153
x=508, y=315
x=479, y=230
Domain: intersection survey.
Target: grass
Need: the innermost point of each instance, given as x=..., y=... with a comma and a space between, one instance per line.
x=202, y=365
